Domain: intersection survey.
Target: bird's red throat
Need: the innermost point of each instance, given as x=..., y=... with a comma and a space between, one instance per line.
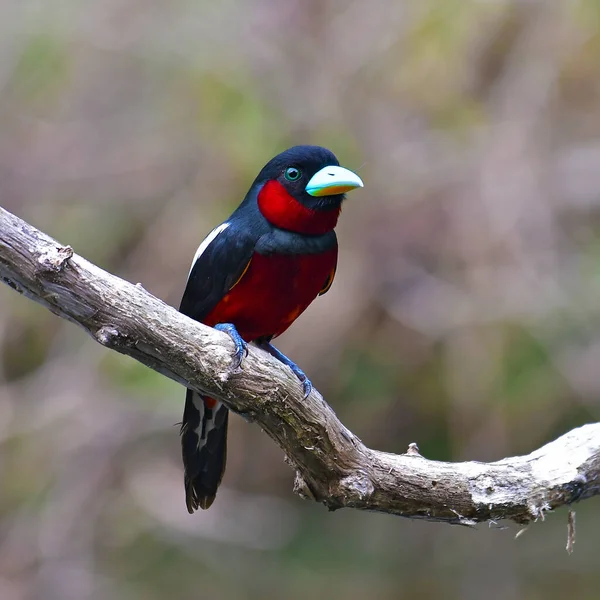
x=284, y=211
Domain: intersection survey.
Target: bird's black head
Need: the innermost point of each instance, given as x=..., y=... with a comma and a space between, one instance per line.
x=302, y=190
x=311, y=175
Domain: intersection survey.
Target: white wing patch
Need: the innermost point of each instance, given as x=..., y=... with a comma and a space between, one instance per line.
x=207, y=241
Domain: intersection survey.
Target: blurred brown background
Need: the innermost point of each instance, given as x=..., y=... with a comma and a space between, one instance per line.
x=465, y=314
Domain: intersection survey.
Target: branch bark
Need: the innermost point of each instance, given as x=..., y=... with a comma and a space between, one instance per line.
x=333, y=466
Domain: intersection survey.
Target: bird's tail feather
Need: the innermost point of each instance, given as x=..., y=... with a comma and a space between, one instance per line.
x=204, y=449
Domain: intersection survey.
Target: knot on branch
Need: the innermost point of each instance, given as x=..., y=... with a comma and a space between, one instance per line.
x=355, y=487
x=54, y=258
x=301, y=488
x=109, y=336
x=413, y=449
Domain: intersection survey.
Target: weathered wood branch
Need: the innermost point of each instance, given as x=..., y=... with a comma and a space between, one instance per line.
x=333, y=466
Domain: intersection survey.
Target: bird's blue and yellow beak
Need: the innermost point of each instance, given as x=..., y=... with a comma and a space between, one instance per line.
x=333, y=180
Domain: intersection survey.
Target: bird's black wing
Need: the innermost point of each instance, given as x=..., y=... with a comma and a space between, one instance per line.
x=221, y=260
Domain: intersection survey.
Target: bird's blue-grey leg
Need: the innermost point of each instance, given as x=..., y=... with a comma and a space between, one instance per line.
x=298, y=372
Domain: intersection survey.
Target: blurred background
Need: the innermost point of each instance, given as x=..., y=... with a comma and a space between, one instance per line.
x=465, y=314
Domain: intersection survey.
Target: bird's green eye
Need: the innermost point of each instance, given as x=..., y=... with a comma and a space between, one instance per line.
x=292, y=174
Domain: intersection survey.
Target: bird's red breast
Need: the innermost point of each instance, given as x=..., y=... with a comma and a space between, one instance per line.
x=273, y=292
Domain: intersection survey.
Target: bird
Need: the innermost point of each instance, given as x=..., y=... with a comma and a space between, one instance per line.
x=251, y=277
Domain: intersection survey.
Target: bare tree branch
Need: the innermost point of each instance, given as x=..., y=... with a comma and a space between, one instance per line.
x=333, y=465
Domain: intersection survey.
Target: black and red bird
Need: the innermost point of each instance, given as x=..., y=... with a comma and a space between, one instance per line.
x=252, y=277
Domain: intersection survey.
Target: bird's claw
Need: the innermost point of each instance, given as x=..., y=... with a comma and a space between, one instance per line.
x=306, y=386
x=240, y=353
x=241, y=348
x=296, y=370
x=301, y=375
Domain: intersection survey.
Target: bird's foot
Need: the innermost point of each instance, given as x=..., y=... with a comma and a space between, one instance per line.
x=298, y=372
x=241, y=348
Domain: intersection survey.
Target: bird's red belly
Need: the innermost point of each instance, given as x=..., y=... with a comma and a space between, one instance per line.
x=273, y=291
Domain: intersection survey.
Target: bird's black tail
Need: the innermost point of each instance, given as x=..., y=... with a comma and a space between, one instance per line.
x=204, y=449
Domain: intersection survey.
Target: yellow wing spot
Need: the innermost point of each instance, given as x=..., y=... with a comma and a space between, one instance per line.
x=328, y=282
x=240, y=277
x=294, y=315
